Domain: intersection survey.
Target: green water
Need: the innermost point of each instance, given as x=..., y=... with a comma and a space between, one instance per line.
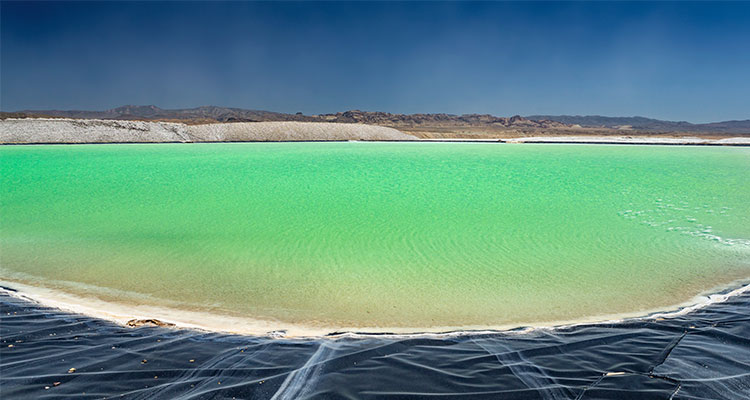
x=378, y=234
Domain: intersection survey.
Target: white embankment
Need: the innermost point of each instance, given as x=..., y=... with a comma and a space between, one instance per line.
x=59, y=130
x=292, y=131
x=63, y=130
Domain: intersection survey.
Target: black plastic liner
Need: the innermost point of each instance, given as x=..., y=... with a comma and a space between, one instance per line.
x=701, y=355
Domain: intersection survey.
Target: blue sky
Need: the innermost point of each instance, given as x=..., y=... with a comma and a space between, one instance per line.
x=677, y=61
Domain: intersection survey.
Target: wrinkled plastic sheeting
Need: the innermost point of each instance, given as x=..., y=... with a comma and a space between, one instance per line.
x=702, y=355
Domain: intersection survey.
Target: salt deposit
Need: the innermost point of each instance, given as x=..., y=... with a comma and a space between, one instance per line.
x=292, y=131
x=59, y=130
x=630, y=139
x=43, y=130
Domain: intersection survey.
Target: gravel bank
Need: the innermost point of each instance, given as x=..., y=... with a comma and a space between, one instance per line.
x=292, y=131
x=89, y=131
x=41, y=130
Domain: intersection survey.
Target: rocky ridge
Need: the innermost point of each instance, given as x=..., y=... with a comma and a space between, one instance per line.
x=465, y=120
x=427, y=125
x=209, y=114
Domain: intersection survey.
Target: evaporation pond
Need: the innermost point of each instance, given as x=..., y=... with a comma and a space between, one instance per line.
x=389, y=235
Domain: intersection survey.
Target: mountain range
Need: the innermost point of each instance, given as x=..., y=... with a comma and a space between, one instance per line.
x=647, y=124
x=440, y=122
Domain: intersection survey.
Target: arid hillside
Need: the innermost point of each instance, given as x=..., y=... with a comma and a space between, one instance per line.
x=421, y=125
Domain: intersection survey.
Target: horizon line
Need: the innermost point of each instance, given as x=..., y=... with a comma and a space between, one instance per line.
x=375, y=111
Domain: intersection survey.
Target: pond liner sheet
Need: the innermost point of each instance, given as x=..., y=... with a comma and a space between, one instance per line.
x=705, y=354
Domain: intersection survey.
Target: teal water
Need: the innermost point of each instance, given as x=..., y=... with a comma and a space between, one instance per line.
x=412, y=235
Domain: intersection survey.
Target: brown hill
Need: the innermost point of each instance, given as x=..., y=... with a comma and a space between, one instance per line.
x=437, y=120
x=206, y=114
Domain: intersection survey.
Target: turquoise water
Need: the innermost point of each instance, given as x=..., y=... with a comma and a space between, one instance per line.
x=412, y=235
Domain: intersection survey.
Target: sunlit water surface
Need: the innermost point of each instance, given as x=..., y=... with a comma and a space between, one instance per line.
x=372, y=235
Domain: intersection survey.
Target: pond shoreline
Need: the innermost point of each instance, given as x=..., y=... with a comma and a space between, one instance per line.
x=220, y=324
x=541, y=140
x=702, y=354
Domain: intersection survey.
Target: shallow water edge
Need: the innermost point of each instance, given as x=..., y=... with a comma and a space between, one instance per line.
x=702, y=354
x=201, y=321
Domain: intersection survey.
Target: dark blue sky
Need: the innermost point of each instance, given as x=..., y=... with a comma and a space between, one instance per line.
x=678, y=61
